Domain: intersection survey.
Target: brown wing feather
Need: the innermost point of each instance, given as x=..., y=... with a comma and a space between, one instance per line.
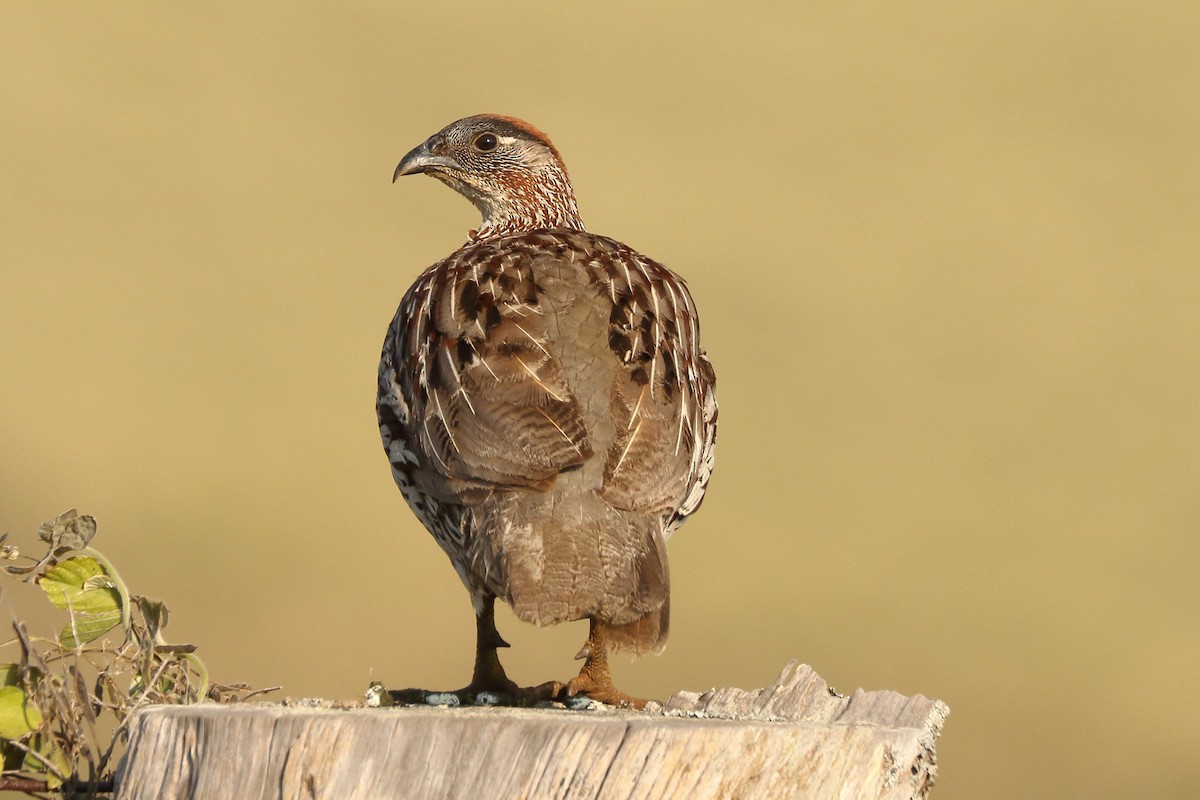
x=495, y=410
x=662, y=397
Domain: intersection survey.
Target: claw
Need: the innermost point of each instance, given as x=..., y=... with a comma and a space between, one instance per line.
x=594, y=680
x=585, y=685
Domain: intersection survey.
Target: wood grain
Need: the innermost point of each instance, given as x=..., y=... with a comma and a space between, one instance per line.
x=795, y=738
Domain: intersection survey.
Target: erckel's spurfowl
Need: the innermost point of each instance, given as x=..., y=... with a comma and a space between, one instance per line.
x=546, y=406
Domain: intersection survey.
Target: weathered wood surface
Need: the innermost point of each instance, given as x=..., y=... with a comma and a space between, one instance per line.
x=795, y=738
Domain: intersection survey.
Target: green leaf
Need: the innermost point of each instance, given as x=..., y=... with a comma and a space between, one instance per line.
x=17, y=716
x=47, y=751
x=85, y=627
x=81, y=586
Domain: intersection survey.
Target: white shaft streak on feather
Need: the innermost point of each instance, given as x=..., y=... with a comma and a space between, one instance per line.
x=414, y=336
x=684, y=406
x=426, y=299
x=657, y=321
x=674, y=351
x=674, y=303
x=432, y=446
x=657, y=336
x=628, y=278
x=537, y=380
x=535, y=341
x=682, y=342
x=482, y=360
x=437, y=401
x=625, y=452
x=636, y=407
x=679, y=435
x=558, y=428
x=457, y=379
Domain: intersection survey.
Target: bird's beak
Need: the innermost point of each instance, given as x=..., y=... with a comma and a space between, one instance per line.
x=423, y=158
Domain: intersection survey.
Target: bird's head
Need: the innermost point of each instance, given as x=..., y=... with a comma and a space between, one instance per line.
x=506, y=167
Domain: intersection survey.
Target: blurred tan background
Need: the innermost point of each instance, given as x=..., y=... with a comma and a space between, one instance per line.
x=947, y=262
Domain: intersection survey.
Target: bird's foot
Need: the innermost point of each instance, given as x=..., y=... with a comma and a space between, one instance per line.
x=594, y=681
x=506, y=693
x=481, y=693
x=601, y=689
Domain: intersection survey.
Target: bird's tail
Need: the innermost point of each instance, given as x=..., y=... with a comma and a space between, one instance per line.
x=591, y=560
x=646, y=634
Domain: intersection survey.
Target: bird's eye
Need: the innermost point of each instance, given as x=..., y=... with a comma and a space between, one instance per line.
x=486, y=142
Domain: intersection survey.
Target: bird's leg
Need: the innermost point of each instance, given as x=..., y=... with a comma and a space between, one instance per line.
x=594, y=680
x=488, y=675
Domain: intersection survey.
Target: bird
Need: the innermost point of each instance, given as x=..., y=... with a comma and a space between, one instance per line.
x=547, y=409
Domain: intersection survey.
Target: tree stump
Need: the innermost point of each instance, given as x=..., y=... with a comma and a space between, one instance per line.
x=795, y=738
